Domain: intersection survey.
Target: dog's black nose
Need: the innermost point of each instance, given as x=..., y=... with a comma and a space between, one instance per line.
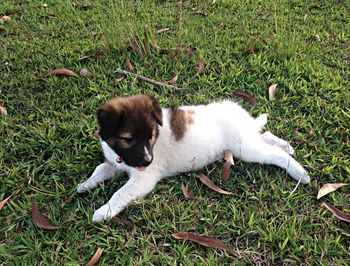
x=147, y=161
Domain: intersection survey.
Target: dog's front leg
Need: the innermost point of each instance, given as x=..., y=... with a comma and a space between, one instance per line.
x=102, y=172
x=137, y=187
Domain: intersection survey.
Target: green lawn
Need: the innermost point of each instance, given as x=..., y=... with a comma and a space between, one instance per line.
x=47, y=143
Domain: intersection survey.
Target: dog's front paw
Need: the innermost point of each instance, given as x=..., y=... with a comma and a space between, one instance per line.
x=106, y=212
x=304, y=178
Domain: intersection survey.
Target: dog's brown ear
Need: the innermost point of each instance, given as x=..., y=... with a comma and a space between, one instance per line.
x=157, y=111
x=108, y=119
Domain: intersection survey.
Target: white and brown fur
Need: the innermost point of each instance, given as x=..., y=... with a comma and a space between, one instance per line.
x=157, y=143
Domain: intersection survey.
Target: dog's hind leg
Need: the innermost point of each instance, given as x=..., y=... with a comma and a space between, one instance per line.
x=261, y=152
x=102, y=172
x=271, y=139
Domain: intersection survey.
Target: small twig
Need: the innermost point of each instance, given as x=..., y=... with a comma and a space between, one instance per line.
x=159, y=83
x=291, y=193
x=162, y=30
x=180, y=25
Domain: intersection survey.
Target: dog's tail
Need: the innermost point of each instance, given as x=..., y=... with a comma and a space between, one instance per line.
x=261, y=121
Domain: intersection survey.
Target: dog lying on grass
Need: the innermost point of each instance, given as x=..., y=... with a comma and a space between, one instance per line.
x=139, y=137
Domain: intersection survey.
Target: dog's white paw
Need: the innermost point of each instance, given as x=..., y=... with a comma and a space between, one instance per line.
x=304, y=178
x=261, y=120
x=300, y=174
x=81, y=188
x=106, y=212
x=103, y=213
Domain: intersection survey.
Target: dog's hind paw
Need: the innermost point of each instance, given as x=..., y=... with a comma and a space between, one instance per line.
x=261, y=120
x=81, y=188
x=103, y=213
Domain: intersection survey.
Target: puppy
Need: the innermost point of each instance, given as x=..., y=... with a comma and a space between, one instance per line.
x=139, y=137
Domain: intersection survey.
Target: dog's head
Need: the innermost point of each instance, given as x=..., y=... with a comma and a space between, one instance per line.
x=130, y=127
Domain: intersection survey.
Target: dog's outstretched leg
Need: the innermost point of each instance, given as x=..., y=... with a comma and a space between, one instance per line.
x=102, y=172
x=271, y=139
x=137, y=187
x=261, y=152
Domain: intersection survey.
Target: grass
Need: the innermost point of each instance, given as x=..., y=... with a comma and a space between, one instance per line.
x=48, y=146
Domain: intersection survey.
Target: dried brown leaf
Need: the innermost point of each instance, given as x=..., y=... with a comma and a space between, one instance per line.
x=272, y=91
x=206, y=181
x=251, y=50
x=328, y=188
x=95, y=257
x=129, y=66
x=118, y=80
x=206, y=241
x=128, y=223
x=227, y=165
x=265, y=15
x=3, y=110
x=84, y=72
x=189, y=50
x=226, y=172
x=61, y=71
x=228, y=157
x=338, y=213
x=245, y=96
x=3, y=202
x=5, y=18
x=201, y=66
x=40, y=220
x=187, y=193
x=172, y=81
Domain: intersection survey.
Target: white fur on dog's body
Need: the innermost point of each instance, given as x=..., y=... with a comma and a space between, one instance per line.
x=216, y=127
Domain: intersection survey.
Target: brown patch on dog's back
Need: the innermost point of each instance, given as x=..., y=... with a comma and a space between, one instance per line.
x=179, y=121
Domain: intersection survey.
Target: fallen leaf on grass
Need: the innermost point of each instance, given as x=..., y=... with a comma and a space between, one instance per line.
x=189, y=50
x=245, y=96
x=338, y=213
x=95, y=257
x=129, y=66
x=116, y=81
x=272, y=91
x=3, y=202
x=251, y=50
x=328, y=188
x=128, y=223
x=206, y=181
x=265, y=15
x=201, y=66
x=207, y=241
x=40, y=220
x=227, y=166
x=62, y=71
x=187, y=193
x=84, y=72
x=172, y=81
x=5, y=18
x=3, y=110
x=333, y=36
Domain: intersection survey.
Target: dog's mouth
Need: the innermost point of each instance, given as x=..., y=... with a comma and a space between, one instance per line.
x=138, y=168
